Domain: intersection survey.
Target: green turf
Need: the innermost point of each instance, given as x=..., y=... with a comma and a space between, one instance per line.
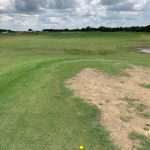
x=145, y=85
x=144, y=141
x=37, y=112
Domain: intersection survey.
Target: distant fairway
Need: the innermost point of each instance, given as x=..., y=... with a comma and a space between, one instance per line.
x=37, y=111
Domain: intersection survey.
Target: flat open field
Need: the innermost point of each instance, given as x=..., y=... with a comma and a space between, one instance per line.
x=46, y=79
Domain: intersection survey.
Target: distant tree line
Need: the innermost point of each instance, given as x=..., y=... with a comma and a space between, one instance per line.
x=4, y=30
x=103, y=29
x=88, y=29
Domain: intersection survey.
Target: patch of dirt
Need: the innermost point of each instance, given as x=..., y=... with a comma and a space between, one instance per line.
x=121, y=99
x=145, y=50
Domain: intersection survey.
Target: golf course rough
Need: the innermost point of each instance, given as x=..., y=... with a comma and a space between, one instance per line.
x=37, y=110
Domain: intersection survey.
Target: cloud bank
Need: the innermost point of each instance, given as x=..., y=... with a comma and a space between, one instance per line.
x=39, y=14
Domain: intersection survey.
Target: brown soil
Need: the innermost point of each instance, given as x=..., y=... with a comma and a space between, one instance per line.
x=121, y=99
x=145, y=50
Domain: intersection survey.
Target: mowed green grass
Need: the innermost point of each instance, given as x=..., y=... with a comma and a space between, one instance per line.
x=37, y=111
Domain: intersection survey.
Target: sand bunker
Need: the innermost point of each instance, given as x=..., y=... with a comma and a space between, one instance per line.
x=122, y=100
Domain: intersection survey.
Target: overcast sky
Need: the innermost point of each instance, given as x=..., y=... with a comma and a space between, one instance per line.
x=39, y=14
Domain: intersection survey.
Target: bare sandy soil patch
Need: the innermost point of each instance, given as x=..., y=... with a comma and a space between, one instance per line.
x=145, y=50
x=122, y=100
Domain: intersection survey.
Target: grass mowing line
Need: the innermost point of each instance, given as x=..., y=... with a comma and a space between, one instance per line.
x=7, y=79
x=34, y=65
x=22, y=70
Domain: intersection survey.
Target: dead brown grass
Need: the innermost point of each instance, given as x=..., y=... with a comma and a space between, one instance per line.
x=121, y=99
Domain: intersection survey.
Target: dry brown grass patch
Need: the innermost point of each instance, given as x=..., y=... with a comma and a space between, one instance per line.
x=120, y=98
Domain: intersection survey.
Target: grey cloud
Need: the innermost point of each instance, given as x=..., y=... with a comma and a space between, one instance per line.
x=27, y=5
x=62, y=4
x=112, y=16
x=40, y=5
x=122, y=7
x=111, y=2
x=39, y=14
